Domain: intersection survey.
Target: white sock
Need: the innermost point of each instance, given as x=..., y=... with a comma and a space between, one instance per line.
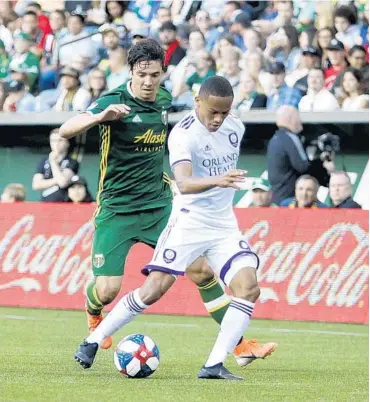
x=233, y=325
x=123, y=312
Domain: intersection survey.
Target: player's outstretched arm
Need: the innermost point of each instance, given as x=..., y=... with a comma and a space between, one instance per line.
x=188, y=184
x=82, y=122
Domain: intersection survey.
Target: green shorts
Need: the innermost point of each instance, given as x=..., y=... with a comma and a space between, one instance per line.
x=116, y=233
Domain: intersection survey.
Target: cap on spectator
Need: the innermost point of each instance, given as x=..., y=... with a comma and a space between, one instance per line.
x=70, y=72
x=276, y=68
x=311, y=50
x=24, y=36
x=261, y=184
x=335, y=44
x=168, y=26
x=2, y=44
x=78, y=15
x=77, y=180
x=105, y=28
x=243, y=19
x=141, y=32
x=15, y=86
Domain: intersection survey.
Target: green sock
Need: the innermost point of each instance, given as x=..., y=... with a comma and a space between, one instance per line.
x=93, y=304
x=214, y=298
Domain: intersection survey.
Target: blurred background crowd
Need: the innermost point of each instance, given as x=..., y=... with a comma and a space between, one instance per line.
x=62, y=55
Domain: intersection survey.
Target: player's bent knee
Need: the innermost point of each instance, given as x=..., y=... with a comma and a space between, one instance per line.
x=155, y=286
x=108, y=288
x=245, y=286
x=199, y=271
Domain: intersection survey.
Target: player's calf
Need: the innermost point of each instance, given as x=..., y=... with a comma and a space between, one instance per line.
x=155, y=286
x=107, y=288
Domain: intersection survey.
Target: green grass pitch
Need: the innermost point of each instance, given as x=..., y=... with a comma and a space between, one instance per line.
x=314, y=361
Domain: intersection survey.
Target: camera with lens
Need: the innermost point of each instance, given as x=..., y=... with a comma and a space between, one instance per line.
x=324, y=146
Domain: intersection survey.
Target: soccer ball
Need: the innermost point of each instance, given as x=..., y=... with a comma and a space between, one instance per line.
x=136, y=356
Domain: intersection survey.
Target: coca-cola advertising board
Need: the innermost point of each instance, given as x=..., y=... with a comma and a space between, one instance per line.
x=314, y=264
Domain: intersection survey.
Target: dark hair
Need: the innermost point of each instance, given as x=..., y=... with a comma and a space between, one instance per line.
x=311, y=33
x=122, y=4
x=60, y=12
x=357, y=74
x=346, y=12
x=229, y=38
x=216, y=86
x=30, y=13
x=79, y=16
x=236, y=4
x=292, y=34
x=145, y=51
x=34, y=4
x=356, y=48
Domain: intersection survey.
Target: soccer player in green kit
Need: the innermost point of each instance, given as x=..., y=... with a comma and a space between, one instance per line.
x=134, y=195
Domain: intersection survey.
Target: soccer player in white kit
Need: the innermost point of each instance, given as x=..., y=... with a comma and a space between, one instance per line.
x=204, y=150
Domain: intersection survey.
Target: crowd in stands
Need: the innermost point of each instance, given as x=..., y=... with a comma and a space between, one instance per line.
x=62, y=55
x=306, y=55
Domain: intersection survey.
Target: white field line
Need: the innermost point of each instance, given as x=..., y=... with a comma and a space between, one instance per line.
x=179, y=325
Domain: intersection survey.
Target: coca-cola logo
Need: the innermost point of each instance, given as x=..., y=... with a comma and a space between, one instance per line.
x=333, y=269
x=65, y=259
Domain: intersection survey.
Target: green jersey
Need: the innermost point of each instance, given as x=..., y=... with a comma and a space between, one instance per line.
x=131, y=176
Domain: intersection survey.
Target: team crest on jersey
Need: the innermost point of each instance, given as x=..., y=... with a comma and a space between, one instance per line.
x=98, y=260
x=233, y=138
x=244, y=245
x=169, y=255
x=207, y=148
x=164, y=117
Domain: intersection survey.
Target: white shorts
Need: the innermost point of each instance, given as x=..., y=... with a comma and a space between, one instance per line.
x=186, y=238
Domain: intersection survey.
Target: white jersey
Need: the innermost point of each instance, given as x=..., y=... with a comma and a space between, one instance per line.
x=211, y=154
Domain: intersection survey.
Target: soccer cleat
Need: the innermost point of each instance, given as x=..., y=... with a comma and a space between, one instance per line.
x=217, y=372
x=92, y=322
x=86, y=353
x=248, y=351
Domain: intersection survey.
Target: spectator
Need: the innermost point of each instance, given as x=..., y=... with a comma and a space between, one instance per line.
x=340, y=191
x=6, y=36
x=119, y=71
x=163, y=15
x=83, y=46
x=324, y=37
x=247, y=96
x=254, y=64
x=345, y=24
x=306, y=189
x=354, y=99
x=284, y=16
x=318, y=98
x=96, y=84
x=173, y=52
x=13, y=192
x=30, y=27
x=78, y=191
x=18, y=99
x=337, y=58
x=239, y=27
x=205, y=68
x=4, y=61
x=281, y=94
x=211, y=34
x=298, y=78
x=58, y=24
x=72, y=97
x=25, y=60
x=222, y=48
x=307, y=38
x=364, y=28
x=357, y=60
x=3, y=94
x=286, y=157
x=252, y=40
x=110, y=42
x=230, y=68
x=230, y=11
x=261, y=194
x=118, y=14
x=283, y=47
x=54, y=172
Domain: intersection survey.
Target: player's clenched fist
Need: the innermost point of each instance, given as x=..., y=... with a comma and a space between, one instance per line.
x=113, y=112
x=231, y=178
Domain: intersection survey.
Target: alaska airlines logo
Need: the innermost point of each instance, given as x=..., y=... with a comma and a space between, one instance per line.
x=150, y=138
x=150, y=142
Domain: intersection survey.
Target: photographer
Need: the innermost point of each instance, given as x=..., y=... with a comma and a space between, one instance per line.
x=287, y=159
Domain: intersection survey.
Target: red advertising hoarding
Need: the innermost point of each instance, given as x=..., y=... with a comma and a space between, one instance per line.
x=314, y=263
